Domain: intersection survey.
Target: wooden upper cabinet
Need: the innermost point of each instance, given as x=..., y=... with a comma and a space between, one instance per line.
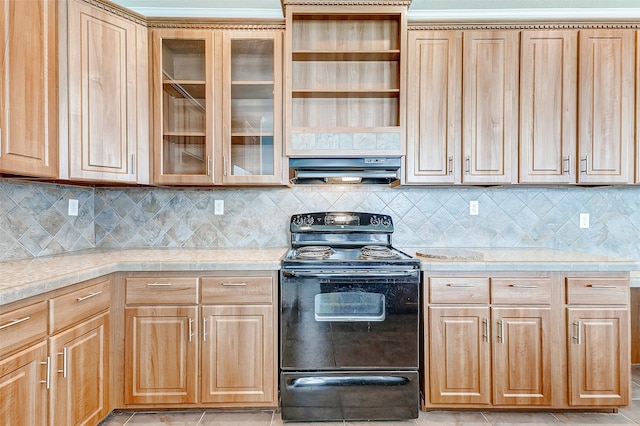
x=344, y=79
x=638, y=106
x=252, y=108
x=29, y=88
x=606, y=113
x=108, y=97
x=548, y=106
x=182, y=79
x=490, y=106
x=434, y=107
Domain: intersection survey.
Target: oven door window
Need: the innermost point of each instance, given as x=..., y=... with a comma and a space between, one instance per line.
x=349, y=306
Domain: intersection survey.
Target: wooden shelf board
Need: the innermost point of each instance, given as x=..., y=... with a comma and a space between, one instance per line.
x=346, y=55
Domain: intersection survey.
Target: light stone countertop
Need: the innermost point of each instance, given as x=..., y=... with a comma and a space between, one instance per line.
x=21, y=279
x=516, y=259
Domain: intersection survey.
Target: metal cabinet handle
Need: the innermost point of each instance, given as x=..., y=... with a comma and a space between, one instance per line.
x=89, y=296
x=485, y=330
x=566, y=165
x=14, y=322
x=234, y=284
x=451, y=164
x=224, y=160
x=578, y=336
x=208, y=165
x=64, y=362
x=460, y=285
x=133, y=164
x=204, y=329
x=159, y=285
x=523, y=286
x=500, y=336
x=583, y=162
x=467, y=162
x=601, y=286
x=47, y=380
x=190, y=329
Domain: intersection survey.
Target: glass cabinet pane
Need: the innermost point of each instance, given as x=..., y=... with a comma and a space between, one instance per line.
x=184, y=107
x=252, y=107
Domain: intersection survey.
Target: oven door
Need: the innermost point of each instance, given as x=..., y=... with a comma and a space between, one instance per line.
x=341, y=320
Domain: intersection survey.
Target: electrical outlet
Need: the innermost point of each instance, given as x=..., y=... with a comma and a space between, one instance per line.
x=73, y=207
x=218, y=207
x=473, y=207
x=584, y=220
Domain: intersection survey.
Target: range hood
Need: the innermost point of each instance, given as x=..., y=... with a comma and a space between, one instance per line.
x=369, y=170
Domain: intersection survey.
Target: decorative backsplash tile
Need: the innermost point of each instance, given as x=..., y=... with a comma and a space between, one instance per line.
x=33, y=219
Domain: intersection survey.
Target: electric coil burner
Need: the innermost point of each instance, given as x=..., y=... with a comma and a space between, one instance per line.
x=349, y=321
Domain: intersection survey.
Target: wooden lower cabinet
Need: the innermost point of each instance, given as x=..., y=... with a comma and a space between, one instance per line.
x=216, y=346
x=459, y=355
x=80, y=373
x=500, y=341
x=237, y=355
x=161, y=355
x=23, y=383
x=599, y=364
x=521, y=356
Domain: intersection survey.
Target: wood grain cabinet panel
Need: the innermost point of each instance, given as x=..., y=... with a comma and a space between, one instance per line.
x=23, y=326
x=599, y=356
x=548, y=106
x=459, y=354
x=80, y=373
x=23, y=383
x=606, y=113
x=29, y=88
x=161, y=355
x=435, y=107
x=108, y=97
x=238, y=363
x=521, y=356
x=490, y=106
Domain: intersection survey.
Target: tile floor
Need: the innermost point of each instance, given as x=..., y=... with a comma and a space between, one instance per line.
x=270, y=418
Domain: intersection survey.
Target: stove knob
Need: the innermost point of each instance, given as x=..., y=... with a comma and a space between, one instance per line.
x=308, y=220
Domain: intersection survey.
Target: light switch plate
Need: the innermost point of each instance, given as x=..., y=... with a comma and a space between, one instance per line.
x=584, y=220
x=218, y=208
x=73, y=207
x=473, y=207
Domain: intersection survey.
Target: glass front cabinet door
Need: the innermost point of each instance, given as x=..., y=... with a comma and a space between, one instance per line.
x=183, y=106
x=252, y=108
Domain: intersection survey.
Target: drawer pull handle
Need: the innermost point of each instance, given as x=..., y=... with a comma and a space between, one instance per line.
x=14, y=322
x=234, y=284
x=600, y=286
x=523, y=286
x=460, y=285
x=159, y=285
x=89, y=296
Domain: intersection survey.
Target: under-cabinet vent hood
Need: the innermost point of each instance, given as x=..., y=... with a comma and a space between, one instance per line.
x=385, y=170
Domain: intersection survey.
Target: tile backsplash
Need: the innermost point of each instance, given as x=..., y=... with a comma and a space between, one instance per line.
x=34, y=220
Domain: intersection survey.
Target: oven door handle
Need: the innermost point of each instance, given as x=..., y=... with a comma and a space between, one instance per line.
x=320, y=381
x=349, y=274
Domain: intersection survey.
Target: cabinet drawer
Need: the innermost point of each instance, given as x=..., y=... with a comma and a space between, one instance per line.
x=23, y=326
x=459, y=290
x=225, y=290
x=597, y=291
x=521, y=290
x=163, y=291
x=78, y=305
